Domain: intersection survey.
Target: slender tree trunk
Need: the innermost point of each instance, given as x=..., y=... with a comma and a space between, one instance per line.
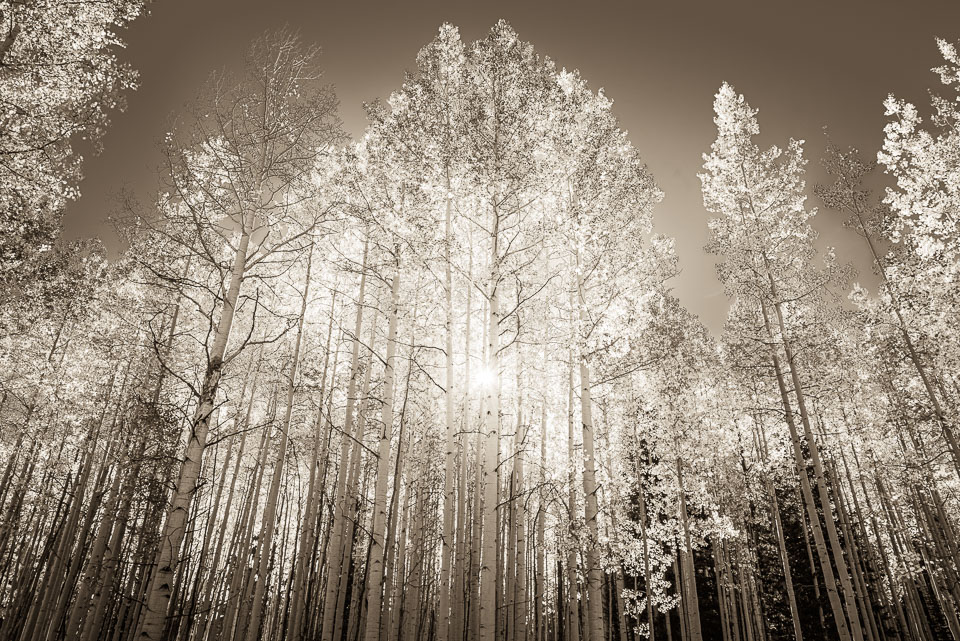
x=390, y=551
x=396, y=615
x=476, y=540
x=443, y=623
x=573, y=623
x=188, y=481
x=594, y=572
x=491, y=449
x=541, y=571
x=355, y=490
x=334, y=559
x=686, y=556
x=375, y=573
x=520, y=587
x=647, y=576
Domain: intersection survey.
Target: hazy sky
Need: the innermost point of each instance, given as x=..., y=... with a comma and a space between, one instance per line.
x=805, y=65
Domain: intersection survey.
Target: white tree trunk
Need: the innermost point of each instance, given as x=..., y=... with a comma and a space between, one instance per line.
x=174, y=527
x=374, y=584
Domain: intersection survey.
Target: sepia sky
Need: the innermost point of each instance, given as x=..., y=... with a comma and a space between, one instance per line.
x=805, y=65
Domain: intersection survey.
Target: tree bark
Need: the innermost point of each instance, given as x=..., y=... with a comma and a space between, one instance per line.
x=375, y=572
x=188, y=481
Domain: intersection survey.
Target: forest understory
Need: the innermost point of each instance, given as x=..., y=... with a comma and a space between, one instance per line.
x=433, y=384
